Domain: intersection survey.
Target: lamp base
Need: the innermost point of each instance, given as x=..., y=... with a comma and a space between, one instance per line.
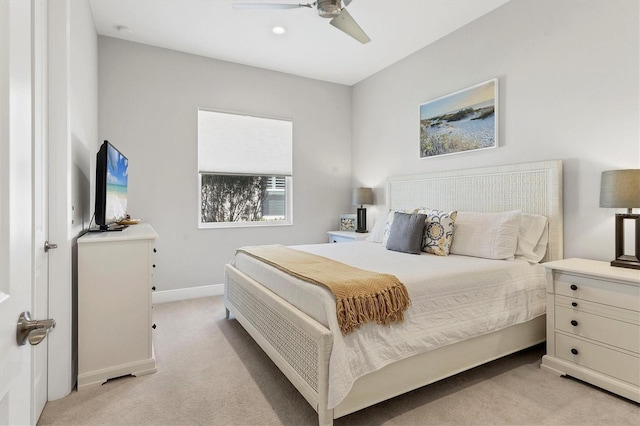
x=625, y=260
x=362, y=220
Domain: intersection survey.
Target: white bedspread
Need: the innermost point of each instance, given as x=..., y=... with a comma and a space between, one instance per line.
x=453, y=298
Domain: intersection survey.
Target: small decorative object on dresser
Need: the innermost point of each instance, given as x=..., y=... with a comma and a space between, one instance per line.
x=621, y=189
x=346, y=236
x=593, y=324
x=348, y=222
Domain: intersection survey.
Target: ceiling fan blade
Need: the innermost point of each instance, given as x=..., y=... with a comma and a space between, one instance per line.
x=346, y=23
x=270, y=5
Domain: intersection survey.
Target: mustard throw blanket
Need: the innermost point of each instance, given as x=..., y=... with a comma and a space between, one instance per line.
x=361, y=296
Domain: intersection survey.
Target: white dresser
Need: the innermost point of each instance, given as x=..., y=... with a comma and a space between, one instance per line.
x=115, y=273
x=593, y=324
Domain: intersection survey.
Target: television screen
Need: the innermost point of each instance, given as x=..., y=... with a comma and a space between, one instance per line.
x=116, y=205
x=111, y=185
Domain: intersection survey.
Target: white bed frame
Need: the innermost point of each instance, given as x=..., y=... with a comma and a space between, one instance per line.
x=301, y=347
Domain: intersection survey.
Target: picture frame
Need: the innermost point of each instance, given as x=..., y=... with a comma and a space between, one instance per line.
x=348, y=222
x=463, y=121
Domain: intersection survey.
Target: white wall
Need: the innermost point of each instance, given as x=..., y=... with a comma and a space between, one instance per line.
x=73, y=134
x=83, y=112
x=569, y=89
x=148, y=109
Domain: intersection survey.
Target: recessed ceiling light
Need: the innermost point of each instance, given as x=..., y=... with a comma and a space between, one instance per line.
x=278, y=30
x=126, y=31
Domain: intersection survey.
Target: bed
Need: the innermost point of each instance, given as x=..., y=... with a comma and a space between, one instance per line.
x=301, y=341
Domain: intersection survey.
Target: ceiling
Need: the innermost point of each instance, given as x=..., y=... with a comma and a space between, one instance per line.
x=310, y=47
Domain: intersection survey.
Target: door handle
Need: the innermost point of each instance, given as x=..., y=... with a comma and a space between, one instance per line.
x=33, y=330
x=48, y=246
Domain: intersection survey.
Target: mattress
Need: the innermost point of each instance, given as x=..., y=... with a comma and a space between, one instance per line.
x=454, y=298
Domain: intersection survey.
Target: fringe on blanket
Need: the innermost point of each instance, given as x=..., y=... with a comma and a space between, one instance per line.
x=382, y=308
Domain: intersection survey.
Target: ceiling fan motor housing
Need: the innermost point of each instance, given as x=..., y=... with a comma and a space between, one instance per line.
x=329, y=8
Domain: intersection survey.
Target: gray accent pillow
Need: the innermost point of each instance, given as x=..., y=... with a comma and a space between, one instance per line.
x=406, y=232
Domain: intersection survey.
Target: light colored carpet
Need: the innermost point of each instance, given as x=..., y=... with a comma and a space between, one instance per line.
x=210, y=372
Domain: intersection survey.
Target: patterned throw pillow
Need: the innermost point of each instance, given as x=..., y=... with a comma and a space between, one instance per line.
x=387, y=226
x=438, y=232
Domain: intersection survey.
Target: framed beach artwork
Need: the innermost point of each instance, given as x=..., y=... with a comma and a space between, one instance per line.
x=347, y=222
x=466, y=120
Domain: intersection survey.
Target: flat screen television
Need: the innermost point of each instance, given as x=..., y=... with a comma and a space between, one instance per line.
x=112, y=179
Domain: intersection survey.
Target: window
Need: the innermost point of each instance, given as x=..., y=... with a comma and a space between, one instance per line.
x=244, y=168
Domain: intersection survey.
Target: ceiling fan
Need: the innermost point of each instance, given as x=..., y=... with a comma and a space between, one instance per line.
x=341, y=19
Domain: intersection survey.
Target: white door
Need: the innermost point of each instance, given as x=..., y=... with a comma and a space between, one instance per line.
x=19, y=125
x=40, y=307
x=15, y=209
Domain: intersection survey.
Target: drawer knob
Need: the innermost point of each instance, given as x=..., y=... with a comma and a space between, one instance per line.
x=574, y=304
x=574, y=323
x=155, y=251
x=574, y=287
x=153, y=288
x=574, y=351
x=153, y=326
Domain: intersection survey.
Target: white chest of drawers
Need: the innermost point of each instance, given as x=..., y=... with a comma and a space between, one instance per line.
x=593, y=324
x=115, y=280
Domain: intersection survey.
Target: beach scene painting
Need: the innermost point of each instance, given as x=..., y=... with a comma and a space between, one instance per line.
x=462, y=121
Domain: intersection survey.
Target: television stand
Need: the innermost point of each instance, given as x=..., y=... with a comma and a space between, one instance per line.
x=115, y=324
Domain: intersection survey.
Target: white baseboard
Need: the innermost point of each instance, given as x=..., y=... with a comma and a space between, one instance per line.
x=187, y=293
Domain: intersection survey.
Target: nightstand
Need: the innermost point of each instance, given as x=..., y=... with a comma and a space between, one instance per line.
x=346, y=236
x=593, y=324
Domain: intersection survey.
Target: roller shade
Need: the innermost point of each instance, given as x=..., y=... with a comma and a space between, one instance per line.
x=241, y=144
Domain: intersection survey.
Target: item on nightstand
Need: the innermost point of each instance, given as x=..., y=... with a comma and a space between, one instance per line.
x=362, y=196
x=621, y=189
x=347, y=222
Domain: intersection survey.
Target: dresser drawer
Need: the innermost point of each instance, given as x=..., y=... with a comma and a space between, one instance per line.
x=340, y=239
x=596, y=290
x=616, y=364
x=621, y=334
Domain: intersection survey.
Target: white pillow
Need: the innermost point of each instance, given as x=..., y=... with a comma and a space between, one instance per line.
x=533, y=237
x=486, y=235
x=377, y=233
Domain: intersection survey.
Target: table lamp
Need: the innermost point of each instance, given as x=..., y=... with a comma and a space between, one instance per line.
x=362, y=196
x=621, y=189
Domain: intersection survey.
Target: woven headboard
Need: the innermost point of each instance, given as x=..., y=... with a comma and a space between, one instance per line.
x=529, y=187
